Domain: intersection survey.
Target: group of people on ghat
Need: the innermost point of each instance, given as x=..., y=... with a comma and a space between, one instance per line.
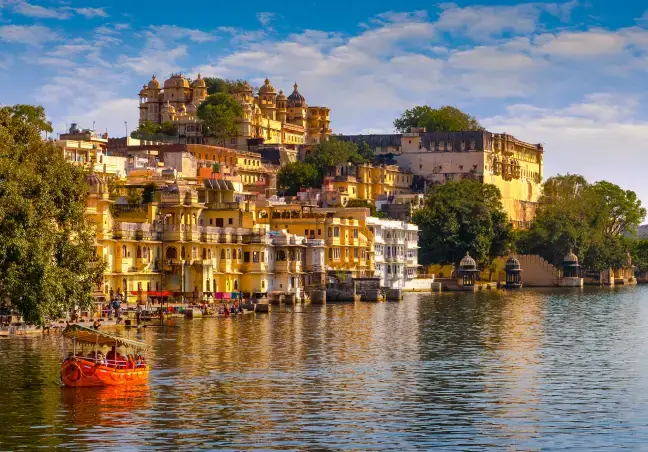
x=112, y=359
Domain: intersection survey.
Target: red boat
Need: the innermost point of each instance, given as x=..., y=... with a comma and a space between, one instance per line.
x=87, y=365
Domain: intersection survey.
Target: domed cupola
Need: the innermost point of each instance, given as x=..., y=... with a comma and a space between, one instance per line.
x=296, y=100
x=570, y=258
x=97, y=186
x=267, y=88
x=199, y=82
x=154, y=83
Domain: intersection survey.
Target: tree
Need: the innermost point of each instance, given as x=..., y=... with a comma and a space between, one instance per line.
x=459, y=217
x=149, y=129
x=34, y=114
x=443, y=119
x=168, y=128
x=48, y=262
x=217, y=85
x=588, y=219
x=218, y=114
x=296, y=175
x=335, y=153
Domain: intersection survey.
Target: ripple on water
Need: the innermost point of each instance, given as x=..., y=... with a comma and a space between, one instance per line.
x=528, y=370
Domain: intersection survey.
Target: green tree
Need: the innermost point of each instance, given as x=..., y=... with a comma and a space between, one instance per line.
x=48, y=262
x=296, y=175
x=443, y=119
x=218, y=114
x=335, y=153
x=589, y=219
x=34, y=114
x=459, y=217
x=168, y=128
x=217, y=85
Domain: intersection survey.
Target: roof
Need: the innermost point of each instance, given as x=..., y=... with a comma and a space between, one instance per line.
x=91, y=336
x=218, y=184
x=386, y=140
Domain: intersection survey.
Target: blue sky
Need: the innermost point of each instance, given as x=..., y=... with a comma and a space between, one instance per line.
x=571, y=75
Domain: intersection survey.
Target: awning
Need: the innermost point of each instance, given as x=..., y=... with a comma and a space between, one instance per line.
x=90, y=336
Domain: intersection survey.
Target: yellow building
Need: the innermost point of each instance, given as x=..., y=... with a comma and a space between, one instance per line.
x=347, y=239
x=367, y=182
x=194, y=241
x=512, y=165
x=270, y=116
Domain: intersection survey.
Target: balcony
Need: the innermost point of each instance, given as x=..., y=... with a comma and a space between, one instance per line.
x=134, y=231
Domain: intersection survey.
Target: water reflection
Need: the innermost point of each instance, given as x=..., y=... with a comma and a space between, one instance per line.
x=523, y=370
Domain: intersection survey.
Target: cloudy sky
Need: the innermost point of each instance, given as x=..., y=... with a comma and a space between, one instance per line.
x=571, y=75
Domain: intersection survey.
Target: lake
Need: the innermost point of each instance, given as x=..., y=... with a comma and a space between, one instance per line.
x=527, y=370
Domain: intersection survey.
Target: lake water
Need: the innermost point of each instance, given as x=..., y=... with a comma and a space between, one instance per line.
x=529, y=370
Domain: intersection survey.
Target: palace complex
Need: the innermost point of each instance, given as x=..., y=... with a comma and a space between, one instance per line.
x=513, y=166
x=268, y=117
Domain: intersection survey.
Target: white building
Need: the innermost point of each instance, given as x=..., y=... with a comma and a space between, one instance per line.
x=395, y=253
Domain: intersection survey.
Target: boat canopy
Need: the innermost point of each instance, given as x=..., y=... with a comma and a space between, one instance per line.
x=91, y=336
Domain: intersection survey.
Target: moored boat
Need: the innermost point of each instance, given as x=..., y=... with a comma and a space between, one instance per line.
x=80, y=368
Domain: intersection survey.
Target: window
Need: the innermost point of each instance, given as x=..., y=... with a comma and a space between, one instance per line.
x=336, y=231
x=330, y=232
x=330, y=253
x=240, y=254
x=211, y=221
x=355, y=233
x=124, y=252
x=230, y=220
x=246, y=256
x=171, y=253
x=306, y=233
x=183, y=254
x=262, y=256
x=355, y=252
x=222, y=254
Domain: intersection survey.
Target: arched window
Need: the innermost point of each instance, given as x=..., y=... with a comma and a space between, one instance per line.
x=124, y=251
x=139, y=252
x=171, y=253
x=236, y=284
x=330, y=232
x=204, y=253
x=194, y=253
x=263, y=283
x=222, y=254
x=209, y=254
x=239, y=254
x=183, y=254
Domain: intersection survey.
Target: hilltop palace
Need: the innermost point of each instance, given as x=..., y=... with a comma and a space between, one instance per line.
x=277, y=119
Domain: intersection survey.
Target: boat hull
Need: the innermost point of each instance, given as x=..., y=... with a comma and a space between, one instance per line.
x=84, y=373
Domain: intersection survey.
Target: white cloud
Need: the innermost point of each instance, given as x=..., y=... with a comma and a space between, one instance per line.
x=109, y=115
x=265, y=18
x=484, y=22
x=581, y=44
x=156, y=57
x=40, y=12
x=91, y=12
x=175, y=33
x=34, y=35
